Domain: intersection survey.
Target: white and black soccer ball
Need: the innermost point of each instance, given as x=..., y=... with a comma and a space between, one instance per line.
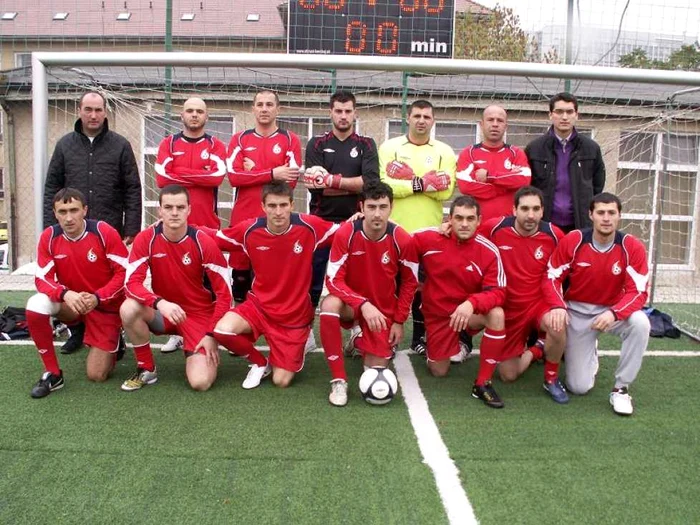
x=378, y=385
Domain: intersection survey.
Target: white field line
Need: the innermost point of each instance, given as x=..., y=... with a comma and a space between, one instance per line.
x=435, y=453
x=602, y=353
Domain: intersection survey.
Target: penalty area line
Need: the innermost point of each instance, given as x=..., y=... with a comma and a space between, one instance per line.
x=432, y=447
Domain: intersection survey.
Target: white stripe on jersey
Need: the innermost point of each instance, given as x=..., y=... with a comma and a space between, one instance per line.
x=501, y=280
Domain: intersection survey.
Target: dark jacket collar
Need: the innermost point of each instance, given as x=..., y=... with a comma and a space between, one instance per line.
x=78, y=128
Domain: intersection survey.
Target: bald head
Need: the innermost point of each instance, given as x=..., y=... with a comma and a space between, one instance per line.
x=194, y=117
x=494, y=122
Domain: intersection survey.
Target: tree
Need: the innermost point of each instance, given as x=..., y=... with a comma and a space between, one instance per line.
x=493, y=36
x=686, y=58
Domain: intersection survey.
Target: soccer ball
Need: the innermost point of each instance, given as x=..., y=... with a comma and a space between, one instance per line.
x=378, y=385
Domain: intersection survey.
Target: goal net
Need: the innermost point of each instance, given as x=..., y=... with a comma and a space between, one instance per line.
x=649, y=133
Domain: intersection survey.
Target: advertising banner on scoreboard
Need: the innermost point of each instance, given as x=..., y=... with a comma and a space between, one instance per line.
x=401, y=28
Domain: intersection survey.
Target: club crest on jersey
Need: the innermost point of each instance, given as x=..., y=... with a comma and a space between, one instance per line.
x=616, y=270
x=429, y=160
x=385, y=258
x=204, y=155
x=277, y=150
x=298, y=248
x=353, y=152
x=539, y=253
x=186, y=259
x=508, y=164
x=91, y=256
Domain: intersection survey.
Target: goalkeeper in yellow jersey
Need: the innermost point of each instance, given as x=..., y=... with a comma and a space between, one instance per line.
x=421, y=172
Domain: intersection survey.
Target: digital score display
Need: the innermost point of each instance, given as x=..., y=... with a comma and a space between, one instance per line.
x=400, y=28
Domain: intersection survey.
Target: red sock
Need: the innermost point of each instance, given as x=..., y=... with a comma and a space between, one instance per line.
x=241, y=346
x=490, y=352
x=551, y=371
x=144, y=357
x=537, y=352
x=40, y=329
x=332, y=341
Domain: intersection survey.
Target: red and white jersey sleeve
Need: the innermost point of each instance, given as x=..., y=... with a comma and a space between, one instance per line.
x=200, y=166
x=281, y=148
x=95, y=263
x=217, y=274
x=361, y=269
x=139, y=262
x=617, y=277
x=459, y=270
x=507, y=170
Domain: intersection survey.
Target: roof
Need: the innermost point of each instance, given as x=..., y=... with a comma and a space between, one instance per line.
x=467, y=6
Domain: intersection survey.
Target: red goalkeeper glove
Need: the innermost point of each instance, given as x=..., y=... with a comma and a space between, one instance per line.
x=399, y=170
x=431, y=181
x=317, y=177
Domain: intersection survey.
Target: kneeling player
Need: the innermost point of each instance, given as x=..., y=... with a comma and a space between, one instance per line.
x=280, y=247
x=80, y=277
x=187, y=272
x=526, y=243
x=366, y=258
x=464, y=289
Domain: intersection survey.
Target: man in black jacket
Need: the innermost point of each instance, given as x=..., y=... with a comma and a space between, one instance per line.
x=101, y=164
x=566, y=166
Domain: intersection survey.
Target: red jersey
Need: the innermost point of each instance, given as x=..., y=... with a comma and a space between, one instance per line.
x=282, y=148
x=524, y=259
x=617, y=278
x=95, y=262
x=459, y=270
x=360, y=269
x=200, y=166
x=507, y=169
x=191, y=272
x=281, y=264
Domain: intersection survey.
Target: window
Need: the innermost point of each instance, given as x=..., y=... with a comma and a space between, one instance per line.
x=23, y=59
x=305, y=127
x=187, y=17
x=657, y=175
x=155, y=130
x=2, y=184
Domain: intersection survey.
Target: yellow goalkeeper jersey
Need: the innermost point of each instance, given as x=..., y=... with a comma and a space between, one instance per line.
x=411, y=210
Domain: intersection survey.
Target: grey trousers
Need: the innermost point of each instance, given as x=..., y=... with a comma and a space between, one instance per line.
x=581, y=353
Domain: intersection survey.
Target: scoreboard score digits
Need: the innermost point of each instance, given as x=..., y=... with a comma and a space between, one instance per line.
x=407, y=28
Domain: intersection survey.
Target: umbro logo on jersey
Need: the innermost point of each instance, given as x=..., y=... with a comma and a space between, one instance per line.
x=358, y=253
x=158, y=255
x=277, y=149
x=186, y=259
x=469, y=268
x=178, y=153
x=616, y=270
x=298, y=247
x=583, y=264
x=263, y=248
x=479, y=162
x=328, y=150
x=60, y=256
x=91, y=256
x=250, y=148
x=353, y=152
x=505, y=247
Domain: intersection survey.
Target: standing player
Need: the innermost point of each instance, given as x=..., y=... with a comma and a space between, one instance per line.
x=190, y=292
x=421, y=172
x=256, y=157
x=345, y=161
x=280, y=247
x=197, y=161
x=366, y=258
x=526, y=243
x=465, y=287
x=80, y=276
x=608, y=278
x=491, y=171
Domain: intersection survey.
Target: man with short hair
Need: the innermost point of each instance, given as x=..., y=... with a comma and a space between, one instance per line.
x=526, y=243
x=492, y=171
x=190, y=291
x=368, y=257
x=197, y=161
x=256, y=157
x=280, y=246
x=81, y=264
x=465, y=288
x=421, y=173
x=608, y=279
x=101, y=164
x=567, y=166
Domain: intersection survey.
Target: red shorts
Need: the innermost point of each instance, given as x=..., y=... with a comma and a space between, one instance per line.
x=442, y=340
x=286, y=344
x=368, y=342
x=102, y=330
x=192, y=330
x=518, y=328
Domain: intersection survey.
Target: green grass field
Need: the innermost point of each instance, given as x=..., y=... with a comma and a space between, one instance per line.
x=93, y=454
